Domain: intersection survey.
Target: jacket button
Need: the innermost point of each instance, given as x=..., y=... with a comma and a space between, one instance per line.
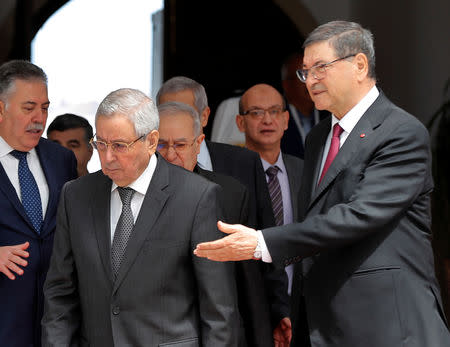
x=116, y=310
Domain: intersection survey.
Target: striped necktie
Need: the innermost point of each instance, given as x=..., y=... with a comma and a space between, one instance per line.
x=275, y=194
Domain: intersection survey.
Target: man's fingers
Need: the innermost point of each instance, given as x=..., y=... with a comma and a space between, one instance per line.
x=13, y=267
x=24, y=246
x=20, y=253
x=211, y=245
x=18, y=260
x=8, y=273
x=228, y=228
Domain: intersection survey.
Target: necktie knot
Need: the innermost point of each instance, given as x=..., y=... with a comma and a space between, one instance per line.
x=125, y=195
x=272, y=171
x=19, y=154
x=337, y=130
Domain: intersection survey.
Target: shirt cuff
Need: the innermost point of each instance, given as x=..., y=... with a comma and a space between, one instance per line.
x=264, y=250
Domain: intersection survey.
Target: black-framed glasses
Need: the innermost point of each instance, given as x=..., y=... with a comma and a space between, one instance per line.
x=258, y=113
x=179, y=146
x=318, y=71
x=116, y=146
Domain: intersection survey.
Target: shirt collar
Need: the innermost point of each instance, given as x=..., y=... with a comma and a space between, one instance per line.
x=203, y=158
x=352, y=117
x=5, y=148
x=279, y=163
x=141, y=184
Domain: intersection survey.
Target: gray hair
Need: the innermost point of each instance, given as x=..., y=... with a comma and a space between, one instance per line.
x=346, y=38
x=133, y=104
x=173, y=108
x=181, y=83
x=18, y=70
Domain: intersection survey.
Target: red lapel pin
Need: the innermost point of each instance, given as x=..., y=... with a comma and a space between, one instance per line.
x=362, y=135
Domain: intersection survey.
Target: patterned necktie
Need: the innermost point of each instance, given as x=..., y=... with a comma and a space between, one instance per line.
x=29, y=191
x=123, y=229
x=275, y=194
x=334, y=149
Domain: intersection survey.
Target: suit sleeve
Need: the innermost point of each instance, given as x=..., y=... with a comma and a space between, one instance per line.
x=215, y=280
x=372, y=195
x=61, y=320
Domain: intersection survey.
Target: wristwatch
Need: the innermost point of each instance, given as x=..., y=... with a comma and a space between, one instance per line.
x=257, y=254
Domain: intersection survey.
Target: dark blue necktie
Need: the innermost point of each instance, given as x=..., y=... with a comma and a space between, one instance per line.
x=31, y=199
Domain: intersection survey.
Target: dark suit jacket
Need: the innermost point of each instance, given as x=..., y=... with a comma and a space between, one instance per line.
x=22, y=299
x=163, y=294
x=294, y=167
x=245, y=165
x=369, y=276
x=292, y=142
x=253, y=305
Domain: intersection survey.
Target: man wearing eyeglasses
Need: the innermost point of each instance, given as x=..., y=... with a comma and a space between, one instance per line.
x=179, y=143
x=303, y=116
x=122, y=271
x=263, y=118
x=367, y=273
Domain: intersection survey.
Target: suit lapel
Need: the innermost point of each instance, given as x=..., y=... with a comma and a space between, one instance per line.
x=294, y=185
x=362, y=131
x=312, y=163
x=10, y=192
x=49, y=174
x=100, y=207
x=153, y=204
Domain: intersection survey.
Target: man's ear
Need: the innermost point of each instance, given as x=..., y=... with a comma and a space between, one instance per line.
x=240, y=123
x=286, y=119
x=200, y=139
x=362, y=66
x=205, y=116
x=153, y=138
x=2, y=110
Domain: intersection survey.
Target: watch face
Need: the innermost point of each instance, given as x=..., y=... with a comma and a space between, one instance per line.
x=257, y=255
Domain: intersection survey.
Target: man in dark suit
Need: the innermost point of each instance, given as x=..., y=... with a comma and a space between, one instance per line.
x=263, y=118
x=122, y=271
x=179, y=143
x=367, y=272
x=303, y=116
x=245, y=166
x=27, y=218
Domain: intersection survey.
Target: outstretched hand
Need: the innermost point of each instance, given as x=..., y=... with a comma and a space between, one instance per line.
x=11, y=257
x=240, y=244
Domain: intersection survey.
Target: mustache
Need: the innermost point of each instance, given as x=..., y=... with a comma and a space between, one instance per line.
x=35, y=126
x=318, y=87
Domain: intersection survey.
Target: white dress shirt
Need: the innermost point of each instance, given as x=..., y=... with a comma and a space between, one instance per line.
x=11, y=166
x=140, y=185
x=347, y=123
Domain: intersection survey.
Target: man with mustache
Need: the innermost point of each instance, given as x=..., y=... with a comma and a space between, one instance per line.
x=32, y=173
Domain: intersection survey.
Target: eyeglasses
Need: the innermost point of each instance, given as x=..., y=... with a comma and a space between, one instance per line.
x=179, y=147
x=116, y=146
x=273, y=111
x=318, y=71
